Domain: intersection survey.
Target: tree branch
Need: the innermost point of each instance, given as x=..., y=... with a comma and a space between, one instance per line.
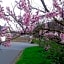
x=53, y=30
x=46, y=9
x=37, y=9
x=59, y=22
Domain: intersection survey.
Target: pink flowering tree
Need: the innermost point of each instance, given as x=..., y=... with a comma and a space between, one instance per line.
x=27, y=20
x=57, y=11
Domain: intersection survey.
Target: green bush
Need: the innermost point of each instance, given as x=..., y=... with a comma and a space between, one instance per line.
x=55, y=51
x=35, y=41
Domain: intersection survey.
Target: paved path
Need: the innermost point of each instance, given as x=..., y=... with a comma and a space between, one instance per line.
x=8, y=54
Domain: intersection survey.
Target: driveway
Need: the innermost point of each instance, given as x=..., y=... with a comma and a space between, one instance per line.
x=9, y=54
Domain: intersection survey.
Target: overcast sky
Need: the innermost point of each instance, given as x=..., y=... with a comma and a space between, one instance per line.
x=36, y=3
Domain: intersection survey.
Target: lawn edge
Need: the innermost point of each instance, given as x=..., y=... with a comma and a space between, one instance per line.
x=17, y=57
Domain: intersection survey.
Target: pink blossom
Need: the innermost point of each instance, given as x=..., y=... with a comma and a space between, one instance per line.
x=54, y=13
x=31, y=28
x=4, y=28
x=7, y=36
x=26, y=18
x=22, y=4
x=6, y=44
x=62, y=36
x=51, y=14
x=55, y=4
x=35, y=18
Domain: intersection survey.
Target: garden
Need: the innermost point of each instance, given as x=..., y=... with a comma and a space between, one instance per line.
x=54, y=54
x=43, y=20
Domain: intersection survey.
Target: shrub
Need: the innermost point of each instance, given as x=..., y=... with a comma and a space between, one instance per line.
x=35, y=40
x=56, y=52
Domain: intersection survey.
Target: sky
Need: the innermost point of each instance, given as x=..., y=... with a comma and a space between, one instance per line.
x=34, y=3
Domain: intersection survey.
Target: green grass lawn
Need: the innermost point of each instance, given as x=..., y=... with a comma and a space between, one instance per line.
x=34, y=55
x=38, y=55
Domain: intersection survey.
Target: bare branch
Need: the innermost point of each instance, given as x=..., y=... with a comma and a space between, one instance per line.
x=59, y=22
x=53, y=30
x=46, y=9
x=37, y=9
